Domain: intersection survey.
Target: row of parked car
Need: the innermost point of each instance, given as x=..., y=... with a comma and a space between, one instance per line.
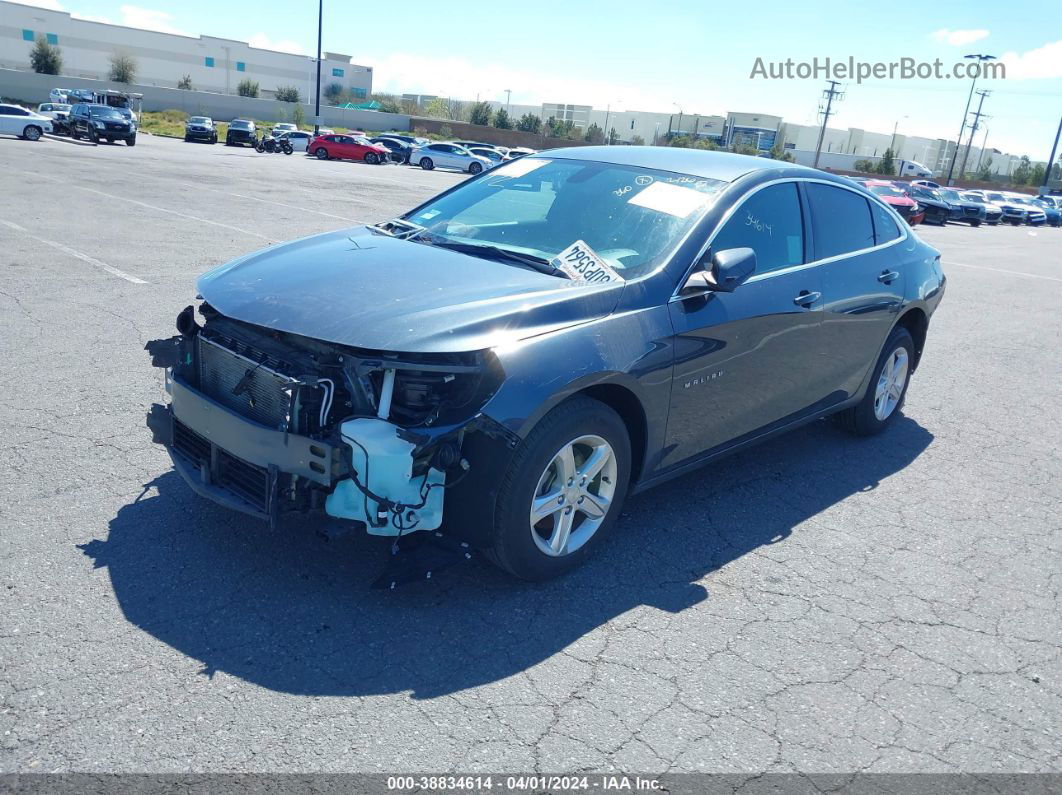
x=927, y=201
x=471, y=156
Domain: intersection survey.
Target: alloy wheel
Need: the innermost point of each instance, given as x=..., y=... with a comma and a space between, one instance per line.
x=573, y=495
x=891, y=382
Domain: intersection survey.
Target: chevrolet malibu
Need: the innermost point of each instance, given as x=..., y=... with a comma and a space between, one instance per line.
x=510, y=360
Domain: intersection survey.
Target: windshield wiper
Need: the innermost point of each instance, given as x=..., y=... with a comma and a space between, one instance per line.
x=540, y=264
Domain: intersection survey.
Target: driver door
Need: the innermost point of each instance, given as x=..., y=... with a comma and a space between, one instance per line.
x=750, y=359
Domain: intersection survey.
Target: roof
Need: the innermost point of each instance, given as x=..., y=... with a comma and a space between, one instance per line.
x=724, y=166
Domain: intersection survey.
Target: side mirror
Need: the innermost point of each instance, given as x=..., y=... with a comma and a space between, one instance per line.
x=725, y=272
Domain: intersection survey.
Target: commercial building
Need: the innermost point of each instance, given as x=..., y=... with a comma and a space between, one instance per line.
x=163, y=59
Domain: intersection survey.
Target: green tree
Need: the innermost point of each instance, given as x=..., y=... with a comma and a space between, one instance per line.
x=247, y=88
x=779, y=152
x=1022, y=172
x=984, y=173
x=480, y=113
x=502, y=120
x=1038, y=172
x=613, y=136
x=287, y=93
x=123, y=68
x=46, y=59
x=887, y=164
x=741, y=148
x=637, y=140
x=437, y=109
x=333, y=93
x=388, y=103
x=594, y=134
x=185, y=83
x=865, y=166
x=529, y=122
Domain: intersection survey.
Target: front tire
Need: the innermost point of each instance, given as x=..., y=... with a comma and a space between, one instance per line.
x=887, y=389
x=475, y=168
x=562, y=492
x=32, y=133
x=372, y=158
x=426, y=164
x=320, y=153
x=975, y=224
x=130, y=141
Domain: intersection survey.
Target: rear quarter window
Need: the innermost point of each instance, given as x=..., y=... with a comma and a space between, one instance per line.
x=885, y=229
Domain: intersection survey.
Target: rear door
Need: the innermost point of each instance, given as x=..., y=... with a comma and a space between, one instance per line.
x=861, y=250
x=748, y=360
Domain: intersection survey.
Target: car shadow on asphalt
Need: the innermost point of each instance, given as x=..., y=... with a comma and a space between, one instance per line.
x=288, y=610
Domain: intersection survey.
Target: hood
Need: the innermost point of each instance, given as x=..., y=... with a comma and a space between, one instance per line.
x=370, y=291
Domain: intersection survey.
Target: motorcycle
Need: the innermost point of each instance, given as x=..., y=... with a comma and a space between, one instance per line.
x=268, y=143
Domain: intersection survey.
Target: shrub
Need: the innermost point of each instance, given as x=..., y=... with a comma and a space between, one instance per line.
x=333, y=93
x=185, y=83
x=287, y=93
x=247, y=88
x=480, y=113
x=865, y=166
x=502, y=120
x=529, y=122
x=123, y=68
x=47, y=59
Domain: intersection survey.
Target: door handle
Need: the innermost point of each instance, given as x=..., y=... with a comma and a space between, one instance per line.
x=888, y=277
x=806, y=298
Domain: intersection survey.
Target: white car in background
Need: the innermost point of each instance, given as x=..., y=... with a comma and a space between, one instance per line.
x=283, y=127
x=300, y=141
x=58, y=112
x=28, y=124
x=448, y=155
x=60, y=95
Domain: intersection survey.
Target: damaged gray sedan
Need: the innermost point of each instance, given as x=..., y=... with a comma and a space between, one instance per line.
x=507, y=362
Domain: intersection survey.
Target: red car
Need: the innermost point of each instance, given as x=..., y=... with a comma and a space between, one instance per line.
x=347, y=147
x=898, y=199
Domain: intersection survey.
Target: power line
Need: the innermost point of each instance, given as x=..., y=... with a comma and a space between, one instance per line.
x=829, y=94
x=973, y=128
x=980, y=58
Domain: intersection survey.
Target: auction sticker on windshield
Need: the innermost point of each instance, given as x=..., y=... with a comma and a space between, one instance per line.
x=674, y=200
x=517, y=168
x=581, y=264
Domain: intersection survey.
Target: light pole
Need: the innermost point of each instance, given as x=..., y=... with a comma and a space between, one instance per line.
x=317, y=95
x=680, y=116
x=508, y=96
x=981, y=58
x=892, y=143
x=1051, y=160
x=656, y=134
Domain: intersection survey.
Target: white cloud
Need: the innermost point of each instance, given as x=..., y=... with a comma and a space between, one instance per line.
x=149, y=19
x=957, y=38
x=262, y=41
x=1043, y=62
x=454, y=76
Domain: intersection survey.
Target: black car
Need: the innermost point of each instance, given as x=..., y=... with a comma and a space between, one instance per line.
x=972, y=212
x=241, y=132
x=400, y=150
x=938, y=211
x=412, y=140
x=100, y=123
x=512, y=358
x=201, y=128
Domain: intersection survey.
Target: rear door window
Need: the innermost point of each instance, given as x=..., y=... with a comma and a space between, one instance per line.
x=840, y=220
x=769, y=222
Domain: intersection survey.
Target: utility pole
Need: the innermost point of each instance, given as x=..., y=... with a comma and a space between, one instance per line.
x=607, y=136
x=830, y=93
x=1051, y=159
x=317, y=96
x=973, y=129
x=981, y=154
x=508, y=96
x=981, y=58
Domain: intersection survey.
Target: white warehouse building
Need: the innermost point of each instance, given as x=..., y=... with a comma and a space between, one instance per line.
x=212, y=64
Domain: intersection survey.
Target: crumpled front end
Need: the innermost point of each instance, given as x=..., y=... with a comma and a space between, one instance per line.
x=270, y=423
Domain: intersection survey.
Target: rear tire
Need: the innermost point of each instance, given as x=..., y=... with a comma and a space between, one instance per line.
x=975, y=224
x=887, y=391
x=320, y=153
x=577, y=425
x=426, y=164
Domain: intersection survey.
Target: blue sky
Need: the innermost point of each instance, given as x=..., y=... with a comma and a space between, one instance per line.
x=649, y=56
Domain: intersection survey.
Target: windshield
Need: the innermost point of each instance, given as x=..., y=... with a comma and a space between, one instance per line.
x=950, y=195
x=105, y=113
x=199, y=120
x=927, y=192
x=241, y=125
x=631, y=217
x=887, y=190
x=972, y=198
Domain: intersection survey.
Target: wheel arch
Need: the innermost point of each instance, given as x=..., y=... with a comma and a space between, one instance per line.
x=916, y=321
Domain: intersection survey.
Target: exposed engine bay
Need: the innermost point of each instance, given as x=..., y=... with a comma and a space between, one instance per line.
x=269, y=422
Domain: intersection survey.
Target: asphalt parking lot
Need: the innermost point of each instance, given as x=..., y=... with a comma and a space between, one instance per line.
x=818, y=604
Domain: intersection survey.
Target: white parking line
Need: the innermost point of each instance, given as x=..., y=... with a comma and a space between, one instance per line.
x=77, y=254
x=1002, y=270
x=157, y=208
